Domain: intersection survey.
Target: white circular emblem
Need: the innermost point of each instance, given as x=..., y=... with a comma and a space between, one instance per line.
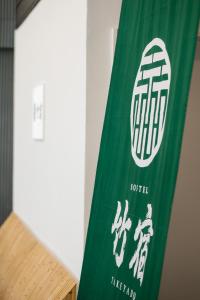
x=149, y=102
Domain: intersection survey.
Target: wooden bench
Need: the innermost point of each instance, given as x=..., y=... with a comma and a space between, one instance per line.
x=27, y=269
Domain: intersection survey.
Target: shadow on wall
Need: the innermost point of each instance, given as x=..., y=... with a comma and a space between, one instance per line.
x=181, y=273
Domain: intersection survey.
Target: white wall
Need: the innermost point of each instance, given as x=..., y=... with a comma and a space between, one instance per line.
x=49, y=191
x=49, y=175
x=103, y=17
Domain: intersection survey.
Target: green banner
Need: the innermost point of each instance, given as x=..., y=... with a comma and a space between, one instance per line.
x=140, y=150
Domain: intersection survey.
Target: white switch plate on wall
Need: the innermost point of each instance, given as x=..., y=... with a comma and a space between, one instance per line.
x=38, y=113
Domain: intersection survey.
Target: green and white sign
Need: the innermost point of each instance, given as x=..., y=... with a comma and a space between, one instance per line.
x=140, y=150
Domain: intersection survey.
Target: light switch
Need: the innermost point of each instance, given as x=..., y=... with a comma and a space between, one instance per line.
x=38, y=113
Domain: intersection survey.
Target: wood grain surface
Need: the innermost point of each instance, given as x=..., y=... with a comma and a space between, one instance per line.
x=27, y=269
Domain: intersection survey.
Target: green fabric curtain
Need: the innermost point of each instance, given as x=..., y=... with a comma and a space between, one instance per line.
x=140, y=150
